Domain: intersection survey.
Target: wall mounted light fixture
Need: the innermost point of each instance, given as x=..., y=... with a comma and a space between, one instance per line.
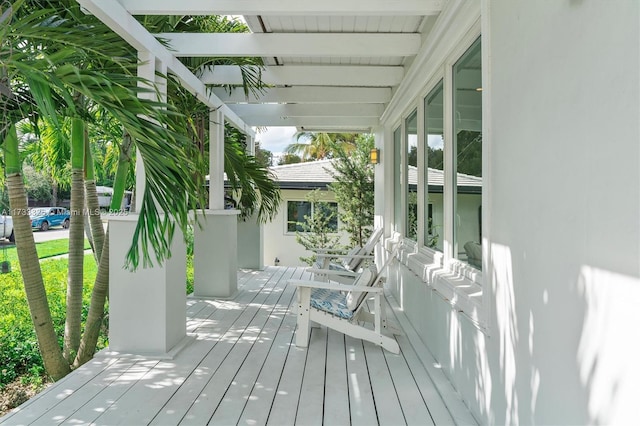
x=374, y=156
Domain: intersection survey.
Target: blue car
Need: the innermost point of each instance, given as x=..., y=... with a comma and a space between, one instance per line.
x=44, y=218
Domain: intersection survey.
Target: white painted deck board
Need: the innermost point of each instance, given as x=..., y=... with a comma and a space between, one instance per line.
x=336, y=389
x=68, y=407
x=43, y=403
x=229, y=363
x=361, y=403
x=263, y=392
x=388, y=407
x=227, y=325
x=112, y=396
x=244, y=368
x=413, y=406
x=311, y=403
x=437, y=408
x=230, y=408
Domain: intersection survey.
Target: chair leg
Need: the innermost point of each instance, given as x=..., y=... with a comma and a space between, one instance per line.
x=303, y=332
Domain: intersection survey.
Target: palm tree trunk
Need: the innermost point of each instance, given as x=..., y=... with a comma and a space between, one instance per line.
x=93, y=207
x=54, y=193
x=55, y=364
x=76, y=243
x=96, y=309
x=120, y=181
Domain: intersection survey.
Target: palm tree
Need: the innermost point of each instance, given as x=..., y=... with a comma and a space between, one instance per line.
x=54, y=362
x=318, y=146
x=49, y=153
x=41, y=43
x=49, y=70
x=72, y=329
x=247, y=176
x=251, y=179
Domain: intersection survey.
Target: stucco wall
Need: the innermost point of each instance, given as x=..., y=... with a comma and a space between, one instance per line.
x=282, y=244
x=562, y=206
x=565, y=211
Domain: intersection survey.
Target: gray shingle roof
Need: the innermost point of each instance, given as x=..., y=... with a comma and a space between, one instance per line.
x=312, y=174
x=315, y=174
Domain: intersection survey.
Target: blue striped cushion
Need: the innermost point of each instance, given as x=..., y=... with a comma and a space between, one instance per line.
x=333, y=302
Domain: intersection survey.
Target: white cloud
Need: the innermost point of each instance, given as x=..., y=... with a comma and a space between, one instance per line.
x=276, y=139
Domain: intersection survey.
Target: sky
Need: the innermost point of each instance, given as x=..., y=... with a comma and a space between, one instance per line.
x=276, y=139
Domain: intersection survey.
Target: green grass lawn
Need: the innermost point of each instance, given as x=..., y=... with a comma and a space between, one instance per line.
x=19, y=356
x=45, y=249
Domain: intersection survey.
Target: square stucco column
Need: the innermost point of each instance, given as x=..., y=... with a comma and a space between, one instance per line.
x=250, y=243
x=215, y=254
x=147, y=308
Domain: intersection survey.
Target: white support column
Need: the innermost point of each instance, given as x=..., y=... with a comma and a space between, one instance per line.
x=146, y=70
x=250, y=232
x=215, y=254
x=215, y=250
x=251, y=145
x=147, y=308
x=250, y=243
x=382, y=186
x=216, y=160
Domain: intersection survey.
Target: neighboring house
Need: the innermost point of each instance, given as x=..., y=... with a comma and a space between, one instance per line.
x=104, y=197
x=296, y=181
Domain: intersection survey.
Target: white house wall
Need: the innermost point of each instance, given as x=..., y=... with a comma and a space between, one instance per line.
x=565, y=209
x=278, y=243
x=558, y=342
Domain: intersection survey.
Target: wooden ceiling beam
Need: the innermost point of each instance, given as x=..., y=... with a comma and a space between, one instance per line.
x=285, y=7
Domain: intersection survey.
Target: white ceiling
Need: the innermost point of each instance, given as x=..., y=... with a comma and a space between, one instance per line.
x=332, y=65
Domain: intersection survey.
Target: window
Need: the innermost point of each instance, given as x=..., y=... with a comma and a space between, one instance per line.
x=438, y=181
x=411, y=181
x=397, y=178
x=300, y=213
x=467, y=155
x=434, y=173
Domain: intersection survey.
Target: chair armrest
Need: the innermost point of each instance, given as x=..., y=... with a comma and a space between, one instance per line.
x=346, y=256
x=327, y=250
x=333, y=272
x=334, y=286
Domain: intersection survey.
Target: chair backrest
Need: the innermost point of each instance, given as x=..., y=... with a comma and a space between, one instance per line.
x=373, y=240
x=348, y=262
x=367, y=278
x=354, y=263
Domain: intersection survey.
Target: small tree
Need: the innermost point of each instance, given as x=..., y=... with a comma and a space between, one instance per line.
x=318, y=229
x=354, y=189
x=289, y=159
x=37, y=186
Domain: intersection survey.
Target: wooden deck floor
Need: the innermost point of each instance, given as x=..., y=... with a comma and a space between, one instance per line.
x=244, y=368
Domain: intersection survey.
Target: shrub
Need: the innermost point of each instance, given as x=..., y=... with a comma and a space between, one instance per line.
x=19, y=355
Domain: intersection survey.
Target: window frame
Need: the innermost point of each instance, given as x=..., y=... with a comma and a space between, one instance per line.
x=425, y=178
x=312, y=210
x=398, y=176
x=457, y=246
x=405, y=182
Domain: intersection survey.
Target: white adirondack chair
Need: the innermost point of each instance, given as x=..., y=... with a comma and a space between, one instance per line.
x=350, y=263
x=341, y=307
